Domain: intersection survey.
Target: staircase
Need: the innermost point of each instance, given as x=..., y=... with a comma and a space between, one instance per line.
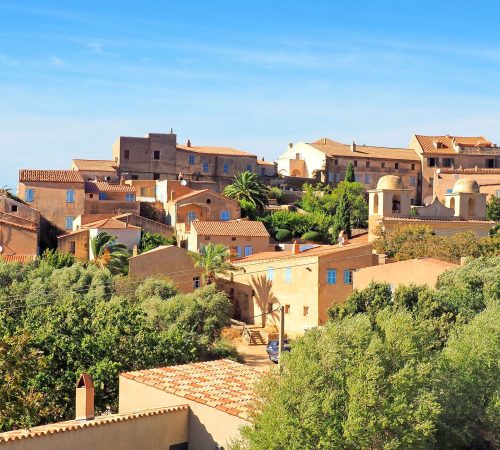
x=253, y=337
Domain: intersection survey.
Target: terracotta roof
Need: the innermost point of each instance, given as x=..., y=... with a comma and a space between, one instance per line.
x=265, y=163
x=230, y=228
x=18, y=259
x=223, y=384
x=52, y=176
x=94, y=187
x=194, y=193
x=96, y=165
x=334, y=148
x=111, y=223
x=30, y=226
x=446, y=142
x=71, y=425
x=319, y=250
x=209, y=150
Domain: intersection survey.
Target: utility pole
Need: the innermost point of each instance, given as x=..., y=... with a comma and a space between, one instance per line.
x=281, y=341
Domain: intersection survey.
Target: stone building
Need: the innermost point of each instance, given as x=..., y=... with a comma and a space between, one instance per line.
x=464, y=209
x=326, y=161
x=452, y=152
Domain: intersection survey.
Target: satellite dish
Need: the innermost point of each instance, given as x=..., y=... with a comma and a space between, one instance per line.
x=107, y=178
x=1, y=249
x=184, y=182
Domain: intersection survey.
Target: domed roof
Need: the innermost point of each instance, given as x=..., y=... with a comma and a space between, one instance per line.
x=390, y=182
x=466, y=186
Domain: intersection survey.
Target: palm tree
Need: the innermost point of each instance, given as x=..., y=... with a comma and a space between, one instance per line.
x=247, y=186
x=214, y=260
x=109, y=253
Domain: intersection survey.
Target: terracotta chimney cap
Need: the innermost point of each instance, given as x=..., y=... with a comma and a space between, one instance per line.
x=295, y=248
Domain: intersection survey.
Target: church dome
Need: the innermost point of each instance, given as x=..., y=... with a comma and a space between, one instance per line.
x=390, y=182
x=466, y=186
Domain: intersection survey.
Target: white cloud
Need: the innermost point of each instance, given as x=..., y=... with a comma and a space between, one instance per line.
x=56, y=61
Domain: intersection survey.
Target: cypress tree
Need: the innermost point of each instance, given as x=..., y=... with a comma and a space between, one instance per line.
x=349, y=173
x=343, y=216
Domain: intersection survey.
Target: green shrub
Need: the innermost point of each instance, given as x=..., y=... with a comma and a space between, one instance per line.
x=156, y=287
x=277, y=194
x=313, y=236
x=283, y=235
x=248, y=209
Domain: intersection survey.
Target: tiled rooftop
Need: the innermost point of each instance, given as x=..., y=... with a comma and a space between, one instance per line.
x=446, y=142
x=248, y=228
x=209, y=150
x=71, y=425
x=97, y=165
x=51, y=176
x=94, y=187
x=223, y=384
x=110, y=223
x=27, y=225
x=18, y=258
x=334, y=148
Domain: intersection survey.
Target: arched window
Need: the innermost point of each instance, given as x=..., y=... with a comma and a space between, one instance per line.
x=295, y=173
x=452, y=203
x=471, y=207
x=375, y=203
x=396, y=204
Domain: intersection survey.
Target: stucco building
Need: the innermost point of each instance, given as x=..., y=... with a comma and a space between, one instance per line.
x=242, y=237
x=96, y=169
x=326, y=161
x=306, y=280
x=452, y=152
x=418, y=271
x=444, y=179
x=170, y=262
x=464, y=209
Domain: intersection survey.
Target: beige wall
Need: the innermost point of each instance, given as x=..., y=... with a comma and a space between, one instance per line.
x=489, y=183
x=81, y=243
x=208, y=426
x=414, y=271
x=126, y=236
x=16, y=240
x=258, y=244
x=21, y=211
x=154, y=432
x=50, y=200
x=96, y=206
x=170, y=262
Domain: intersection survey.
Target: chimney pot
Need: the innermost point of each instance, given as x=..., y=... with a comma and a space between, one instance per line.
x=290, y=145
x=295, y=248
x=188, y=144
x=85, y=398
x=353, y=146
x=324, y=140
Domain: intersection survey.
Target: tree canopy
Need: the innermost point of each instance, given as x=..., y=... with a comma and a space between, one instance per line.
x=248, y=186
x=213, y=259
x=349, y=173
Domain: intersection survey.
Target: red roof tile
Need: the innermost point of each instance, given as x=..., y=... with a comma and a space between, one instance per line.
x=428, y=143
x=94, y=187
x=18, y=259
x=230, y=228
x=50, y=176
x=210, y=150
x=110, y=223
x=27, y=225
x=71, y=425
x=222, y=384
x=96, y=165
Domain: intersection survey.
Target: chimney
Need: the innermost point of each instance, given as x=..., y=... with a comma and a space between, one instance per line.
x=324, y=140
x=290, y=145
x=122, y=180
x=171, y=131
x=188, y=143
x=134, y=250
x=295, y=248
x=353, y=146
x=84, y=398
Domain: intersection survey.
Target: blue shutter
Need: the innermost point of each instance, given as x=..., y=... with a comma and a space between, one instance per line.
x=205, y=167
x=226, y=168
x=331, y=276
x=29, y=195
x=238, y=251
x=348, y=276
x=68, y=222
x=248, y=250
x=270, y=274
x=70, y=196
x=288, y=275
x=191, y=160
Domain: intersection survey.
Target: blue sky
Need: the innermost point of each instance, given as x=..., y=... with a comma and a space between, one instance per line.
x=74, y=75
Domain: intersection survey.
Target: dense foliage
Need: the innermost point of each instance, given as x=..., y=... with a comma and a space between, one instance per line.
x=248, y=209
x=342, y=220
x=414, y=241
x=150, y=241
x=416, y=369
x=213, y=259
x=248, y=186
x=109, y=253
x=349, y=173
x=493, y=208
x=277, y=194
x=56, y=323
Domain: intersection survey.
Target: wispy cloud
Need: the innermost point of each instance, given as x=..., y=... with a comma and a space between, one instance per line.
x=98, y=49
x=56, y=61
x=8, y=61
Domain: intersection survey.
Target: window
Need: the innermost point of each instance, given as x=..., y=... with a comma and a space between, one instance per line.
x=126, y=154
x=72, y=247
x=287, y=309
x=191, y=160
x=270, y=274
x=68, y=223
x=134, y=177
x=208, y=201
x=347, y=276
x=449, y=191
x=490, y=163
x=355, y=164
x=156, y=155
x=337, y=177
x=102, y=195
x=432, y=162
x=196, y=282
x=357, y=177
x=367, y=164
x=331, y=276
x=382, y=165
x=249, y=168
x=306, y=311
x=447, y=162
x=191, y=215
x=205, y=168
x=224, y=215
x=238, y=251
x=367, y=179
x=29, y=195
x=70, y=196
x=396, y=165
x=225, y=168
x=413, y=167
x=156, y=176
x=330, y=177
x=412, y=181
x=129, y=197
x=233, y=238
x=262, y=171
x=336, y=162
x=288, y=275
x=13, y=208
x=412, y=201
x=144, y=191
x=248, y=250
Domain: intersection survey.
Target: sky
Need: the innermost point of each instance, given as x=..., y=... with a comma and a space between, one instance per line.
x=254, y=75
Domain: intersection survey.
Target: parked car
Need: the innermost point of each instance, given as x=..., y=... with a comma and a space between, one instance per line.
x=272, y=350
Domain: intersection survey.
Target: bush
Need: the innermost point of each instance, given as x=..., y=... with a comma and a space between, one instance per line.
x=150, y=241
x=277, y=194
x=283, y=235
x=313, y=236
x=248, y=209
x=162, y=288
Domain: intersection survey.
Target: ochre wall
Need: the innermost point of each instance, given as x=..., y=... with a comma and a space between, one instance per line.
x=81, y=240
x=18, y=241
